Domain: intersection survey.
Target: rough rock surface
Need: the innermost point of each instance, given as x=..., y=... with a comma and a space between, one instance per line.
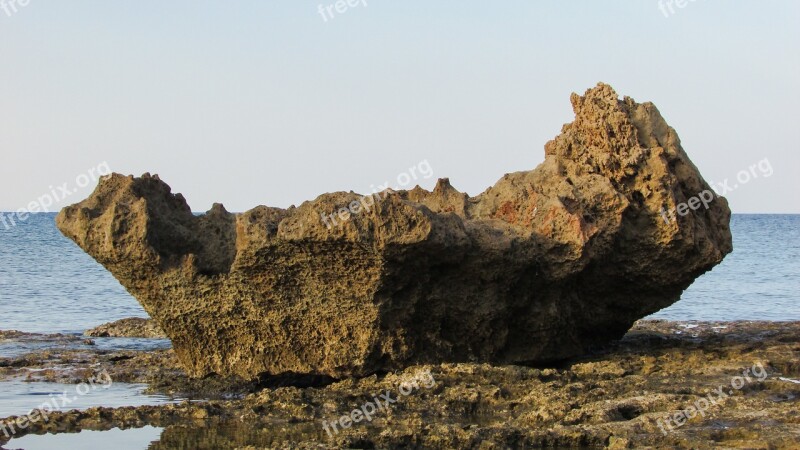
x=540, y=267
x=133, y=327
x=625, y=397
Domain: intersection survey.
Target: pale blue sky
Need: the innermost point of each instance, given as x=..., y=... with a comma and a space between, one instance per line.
x=248, y=103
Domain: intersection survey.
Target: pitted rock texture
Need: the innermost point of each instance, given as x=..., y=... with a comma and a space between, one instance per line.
x=131, y=327
x=540, y=267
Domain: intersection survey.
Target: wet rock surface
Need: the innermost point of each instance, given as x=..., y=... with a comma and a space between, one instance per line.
x=625, y=395
x=540, y=267
x=130, y=327
x=68, y=362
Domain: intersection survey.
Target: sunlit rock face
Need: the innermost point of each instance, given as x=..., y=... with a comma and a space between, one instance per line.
x=539, y=267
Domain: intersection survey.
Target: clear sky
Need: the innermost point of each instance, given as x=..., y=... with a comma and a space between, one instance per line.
x=269, y=102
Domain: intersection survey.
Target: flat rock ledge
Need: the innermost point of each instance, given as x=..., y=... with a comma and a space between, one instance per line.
x=542, y=266
x=132, y=327
x=638, y=393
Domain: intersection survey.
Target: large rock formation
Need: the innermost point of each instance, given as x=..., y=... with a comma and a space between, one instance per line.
x=540, y=267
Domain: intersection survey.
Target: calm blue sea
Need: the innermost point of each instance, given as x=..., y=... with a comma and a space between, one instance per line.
x=47, y=284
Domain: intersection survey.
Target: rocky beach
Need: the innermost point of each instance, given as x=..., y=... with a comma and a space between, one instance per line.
x=386, y=225
x=641, y=392
x=426, y=319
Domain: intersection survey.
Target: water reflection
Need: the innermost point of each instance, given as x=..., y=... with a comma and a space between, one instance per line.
x=130, y=439
x=236, y=435
x=175, y=437
x=19, y=397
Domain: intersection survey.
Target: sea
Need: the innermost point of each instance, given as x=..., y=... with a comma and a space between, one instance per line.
x=49, y=285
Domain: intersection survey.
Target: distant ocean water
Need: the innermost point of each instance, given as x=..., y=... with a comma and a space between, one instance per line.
x=760, y=280
x=49, y=285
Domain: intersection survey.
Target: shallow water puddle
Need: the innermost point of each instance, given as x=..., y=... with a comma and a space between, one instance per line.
x=19, y=397
x=15, y=346
x=174, y=437
x=237, y=434
x=130, y=439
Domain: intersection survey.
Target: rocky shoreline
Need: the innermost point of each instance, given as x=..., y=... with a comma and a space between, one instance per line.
x=665, y=385
x=136, y=327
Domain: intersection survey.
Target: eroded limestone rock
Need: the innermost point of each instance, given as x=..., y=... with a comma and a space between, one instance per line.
x=134, y=327
x=539, y=267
